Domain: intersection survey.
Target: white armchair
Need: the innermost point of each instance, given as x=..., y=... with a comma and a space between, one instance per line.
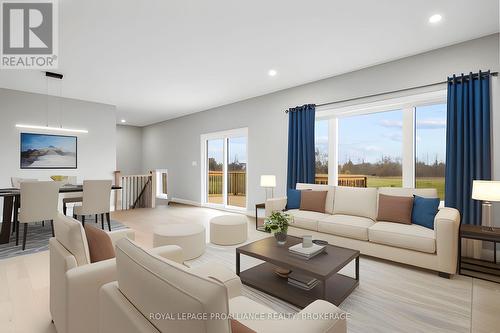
x=75, y=282
x=149, y=290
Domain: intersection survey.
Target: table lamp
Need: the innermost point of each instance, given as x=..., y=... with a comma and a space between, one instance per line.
x=487, y=191
x=268, y=181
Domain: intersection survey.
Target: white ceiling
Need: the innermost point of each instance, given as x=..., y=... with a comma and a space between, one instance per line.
x=157, y=60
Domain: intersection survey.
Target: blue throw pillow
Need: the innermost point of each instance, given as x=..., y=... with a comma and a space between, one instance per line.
x=424, y=211
x=293, y=199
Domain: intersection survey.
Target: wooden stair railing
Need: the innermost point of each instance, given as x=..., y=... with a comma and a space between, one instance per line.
x=138, y=191
x=143, y=196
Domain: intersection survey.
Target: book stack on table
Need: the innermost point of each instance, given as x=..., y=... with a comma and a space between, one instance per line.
x=306, y=252
x=302, y=281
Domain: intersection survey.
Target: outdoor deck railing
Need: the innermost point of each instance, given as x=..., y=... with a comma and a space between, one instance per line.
x=344, y=180
x=236, y=182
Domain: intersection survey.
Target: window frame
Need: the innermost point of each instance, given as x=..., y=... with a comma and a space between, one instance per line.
x=328, y=144
x=225, y=136
x=407, y=104
x=159, y=184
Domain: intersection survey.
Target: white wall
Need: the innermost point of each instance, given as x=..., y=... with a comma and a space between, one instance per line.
x=129, y=149
x=96, y=149
x=174, y=144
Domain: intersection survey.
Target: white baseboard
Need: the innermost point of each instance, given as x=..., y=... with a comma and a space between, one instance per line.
x=198, y=204
x=229, y=210
x=186, y=202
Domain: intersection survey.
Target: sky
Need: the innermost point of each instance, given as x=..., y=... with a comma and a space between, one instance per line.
x=369, y=137
x=431, y=133
x=39, y=141
x=237, y=149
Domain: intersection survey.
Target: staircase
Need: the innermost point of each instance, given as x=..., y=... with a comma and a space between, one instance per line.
x=138, y=191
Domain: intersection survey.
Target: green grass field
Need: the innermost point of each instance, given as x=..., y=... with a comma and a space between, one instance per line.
x=429, y=182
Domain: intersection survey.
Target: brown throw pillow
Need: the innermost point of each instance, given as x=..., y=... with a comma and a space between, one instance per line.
x=394, y=209
x=313, y=201
x=100, y=245
x=237, y=327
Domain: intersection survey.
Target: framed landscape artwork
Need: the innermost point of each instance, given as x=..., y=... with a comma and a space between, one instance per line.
x=47, y=151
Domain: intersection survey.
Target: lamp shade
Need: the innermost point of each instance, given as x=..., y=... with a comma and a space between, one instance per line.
x=268, y=181
x=486, y=190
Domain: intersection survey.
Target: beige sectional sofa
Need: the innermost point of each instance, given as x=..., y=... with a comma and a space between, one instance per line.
x=350, y=220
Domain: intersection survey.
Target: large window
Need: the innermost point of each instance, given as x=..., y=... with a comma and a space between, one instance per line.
x=224, y=169
x=321, y=151
x=398, y=142
x=430, y=147
x=370, y=150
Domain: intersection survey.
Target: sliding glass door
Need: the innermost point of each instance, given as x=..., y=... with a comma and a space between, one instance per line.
x=237, y=171
x=215, y=171
x=224, y=174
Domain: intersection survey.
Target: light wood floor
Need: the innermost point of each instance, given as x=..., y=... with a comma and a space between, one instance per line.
x=24, y=280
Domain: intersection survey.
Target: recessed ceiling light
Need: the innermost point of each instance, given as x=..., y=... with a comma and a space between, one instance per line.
x=123, y=121
x=272, y=72
x=435, y=18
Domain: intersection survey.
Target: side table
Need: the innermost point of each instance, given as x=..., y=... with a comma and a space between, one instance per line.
x=259, y=221
x=478, y=268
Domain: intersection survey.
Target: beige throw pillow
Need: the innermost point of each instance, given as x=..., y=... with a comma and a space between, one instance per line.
x=313, y=201
x=394, y=209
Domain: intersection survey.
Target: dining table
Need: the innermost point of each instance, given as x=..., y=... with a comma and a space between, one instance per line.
x=12, y=202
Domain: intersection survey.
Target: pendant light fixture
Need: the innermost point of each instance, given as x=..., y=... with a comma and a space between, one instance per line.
x=47, y=127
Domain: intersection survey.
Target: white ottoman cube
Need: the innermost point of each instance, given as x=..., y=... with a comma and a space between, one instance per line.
x=190, y=237
x=228, y=229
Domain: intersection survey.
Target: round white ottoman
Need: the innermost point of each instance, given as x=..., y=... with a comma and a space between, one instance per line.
x=228, y=229
x=190, y=237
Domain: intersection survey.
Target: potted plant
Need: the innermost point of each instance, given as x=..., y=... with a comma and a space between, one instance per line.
x=277, y=224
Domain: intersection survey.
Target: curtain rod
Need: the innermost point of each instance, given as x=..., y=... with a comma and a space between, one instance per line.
x=397, y=91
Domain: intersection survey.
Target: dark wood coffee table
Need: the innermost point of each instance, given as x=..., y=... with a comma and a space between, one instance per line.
x=333, y=287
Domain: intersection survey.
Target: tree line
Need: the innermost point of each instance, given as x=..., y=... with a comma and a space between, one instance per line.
x=385, y=167
x=236, y=165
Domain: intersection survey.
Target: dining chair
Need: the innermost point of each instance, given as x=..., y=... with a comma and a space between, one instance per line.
x=16, y=183
x=96, y=197
x=38, y=203
x=67, y=198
